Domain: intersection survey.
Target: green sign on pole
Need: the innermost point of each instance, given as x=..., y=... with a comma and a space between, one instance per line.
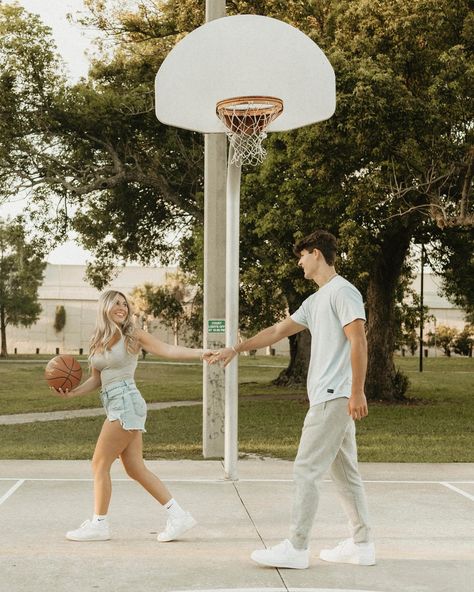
x=216, y=326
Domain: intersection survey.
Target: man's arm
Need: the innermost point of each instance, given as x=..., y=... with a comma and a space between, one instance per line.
x=266, y=337
x=355, y=333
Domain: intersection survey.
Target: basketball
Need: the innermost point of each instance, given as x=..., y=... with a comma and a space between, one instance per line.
x=63, y=372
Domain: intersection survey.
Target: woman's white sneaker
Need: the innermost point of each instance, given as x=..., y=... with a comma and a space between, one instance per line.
x=90, y=531
x=350, y=552
x=176, y=526
x=282, y=555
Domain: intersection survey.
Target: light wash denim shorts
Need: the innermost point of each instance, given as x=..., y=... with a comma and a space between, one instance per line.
x=122, y=401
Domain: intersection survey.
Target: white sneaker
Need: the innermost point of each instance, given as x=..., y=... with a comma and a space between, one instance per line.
x=282, y=555
x=90, y=531
x=176, y=526
x=350, y=552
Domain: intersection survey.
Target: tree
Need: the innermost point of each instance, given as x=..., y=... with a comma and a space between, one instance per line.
x=408, y=322
x=30, y=82
x=21, y=274
x=456, y=267
x=59, y=318
x=393, y=166
x=117, y=176
x=464, y=342
x=171, y=304
x=444, y=338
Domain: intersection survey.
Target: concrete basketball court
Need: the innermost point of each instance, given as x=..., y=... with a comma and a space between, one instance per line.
x=422, y=516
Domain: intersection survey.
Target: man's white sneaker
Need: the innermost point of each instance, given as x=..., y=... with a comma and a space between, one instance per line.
x=90, y=531
x=176, y=526
x=282, y=555
x=350, y=552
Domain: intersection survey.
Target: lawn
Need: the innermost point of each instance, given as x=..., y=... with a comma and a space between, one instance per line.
x=24, y=390
x=436, y=426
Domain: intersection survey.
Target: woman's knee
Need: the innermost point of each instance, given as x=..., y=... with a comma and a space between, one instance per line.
x=100, y=465
x=135, y=471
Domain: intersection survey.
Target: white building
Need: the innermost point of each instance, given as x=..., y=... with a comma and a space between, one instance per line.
x=440, y=307
x=65, y=285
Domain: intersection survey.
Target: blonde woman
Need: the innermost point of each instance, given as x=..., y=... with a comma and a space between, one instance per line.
x=113, y=357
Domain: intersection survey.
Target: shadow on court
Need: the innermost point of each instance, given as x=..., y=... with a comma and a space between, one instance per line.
x=422, y=516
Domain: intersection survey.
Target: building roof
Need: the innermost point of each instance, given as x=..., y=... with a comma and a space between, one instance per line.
x=432, y=288
x=67, y=282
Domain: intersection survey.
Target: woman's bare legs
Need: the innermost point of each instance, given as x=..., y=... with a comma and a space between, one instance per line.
x=112, y=441
x=178, y=521
x=132, y=459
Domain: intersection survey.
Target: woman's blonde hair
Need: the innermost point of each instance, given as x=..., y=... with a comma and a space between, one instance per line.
x=106, y=329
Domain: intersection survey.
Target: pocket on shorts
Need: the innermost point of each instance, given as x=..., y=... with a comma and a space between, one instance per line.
x=139, y=405
x=115, y=405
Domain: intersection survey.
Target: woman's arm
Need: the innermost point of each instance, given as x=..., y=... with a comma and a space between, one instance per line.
x=88, y=386
x=171, y=352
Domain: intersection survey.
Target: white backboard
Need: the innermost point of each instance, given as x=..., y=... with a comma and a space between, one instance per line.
x=244, y=55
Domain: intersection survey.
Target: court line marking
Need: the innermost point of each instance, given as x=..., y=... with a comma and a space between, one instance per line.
x=11, y=491
x=285, y=589
x=228, y=481
x=255, y=527
x=457, y=490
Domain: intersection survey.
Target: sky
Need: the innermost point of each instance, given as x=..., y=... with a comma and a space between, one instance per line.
x=73, y=42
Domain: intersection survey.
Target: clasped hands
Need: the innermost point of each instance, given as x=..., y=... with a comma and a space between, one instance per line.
x=224, y=355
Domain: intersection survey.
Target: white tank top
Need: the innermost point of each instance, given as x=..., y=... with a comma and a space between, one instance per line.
x=115, y=364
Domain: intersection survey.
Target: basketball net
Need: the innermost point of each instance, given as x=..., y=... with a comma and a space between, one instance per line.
x=246, y=120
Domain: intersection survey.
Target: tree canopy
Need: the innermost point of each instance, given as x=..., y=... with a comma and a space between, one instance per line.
x=393, y=166
x=30, y=80
x=21, y=273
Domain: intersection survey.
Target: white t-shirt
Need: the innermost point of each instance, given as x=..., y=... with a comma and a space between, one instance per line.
x=325, y=313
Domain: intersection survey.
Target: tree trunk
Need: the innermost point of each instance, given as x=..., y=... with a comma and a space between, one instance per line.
x=300, y=351
x=383, y=381
x=175, y=333
x=3, y=329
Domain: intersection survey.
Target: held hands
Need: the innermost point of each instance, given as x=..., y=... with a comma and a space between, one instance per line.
x=226, y=355
x=207, y=355
x=357, y=406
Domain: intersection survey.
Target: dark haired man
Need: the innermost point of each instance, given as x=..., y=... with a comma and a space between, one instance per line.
x=335, y=317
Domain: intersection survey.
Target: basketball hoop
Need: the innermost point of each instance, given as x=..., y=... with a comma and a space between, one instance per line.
x=246, y=120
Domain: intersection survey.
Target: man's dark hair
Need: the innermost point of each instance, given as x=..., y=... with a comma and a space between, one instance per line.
x=319, y=239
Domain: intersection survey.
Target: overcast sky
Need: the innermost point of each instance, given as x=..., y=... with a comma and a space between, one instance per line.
x=72, y=42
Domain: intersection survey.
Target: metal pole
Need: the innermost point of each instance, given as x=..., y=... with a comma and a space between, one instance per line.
x=421, y=308
x=215, y=164
x=232, y=316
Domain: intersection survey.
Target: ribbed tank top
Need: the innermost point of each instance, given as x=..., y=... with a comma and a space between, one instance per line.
x=115, y=364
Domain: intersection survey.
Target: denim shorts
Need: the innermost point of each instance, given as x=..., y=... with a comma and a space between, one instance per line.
x=122, y=401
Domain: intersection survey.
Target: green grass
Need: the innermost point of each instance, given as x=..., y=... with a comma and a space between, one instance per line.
x=24, y=390
x=439, y=427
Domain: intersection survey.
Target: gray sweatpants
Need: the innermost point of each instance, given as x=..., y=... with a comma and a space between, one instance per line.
x=328, y=441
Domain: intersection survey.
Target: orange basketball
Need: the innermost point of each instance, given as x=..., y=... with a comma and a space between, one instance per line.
x=63, y=372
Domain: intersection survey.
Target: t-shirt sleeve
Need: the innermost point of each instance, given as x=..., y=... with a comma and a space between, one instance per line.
x=300, y=316
x=348, y=305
